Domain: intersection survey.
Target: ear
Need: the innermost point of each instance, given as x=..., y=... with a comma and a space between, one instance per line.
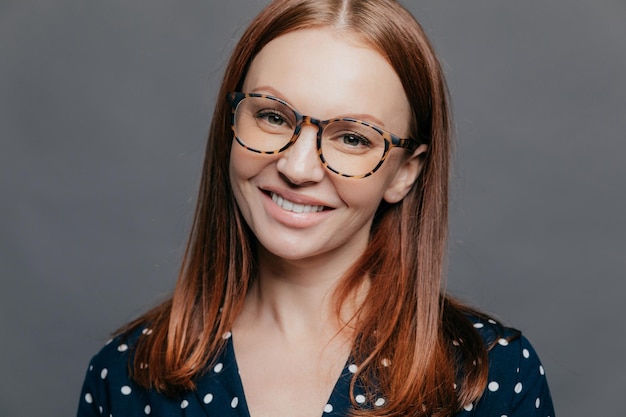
x=406, y=175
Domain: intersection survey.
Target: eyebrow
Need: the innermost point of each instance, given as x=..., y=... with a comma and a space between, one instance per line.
x=266, y=89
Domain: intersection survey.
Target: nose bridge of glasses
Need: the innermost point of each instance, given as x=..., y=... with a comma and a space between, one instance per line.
x=311, y=142
x=300, y=159
x=313, y=122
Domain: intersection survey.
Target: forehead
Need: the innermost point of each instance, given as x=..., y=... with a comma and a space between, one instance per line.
x=327, y=73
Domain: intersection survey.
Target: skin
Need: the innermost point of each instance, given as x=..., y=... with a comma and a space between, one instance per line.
x=290, y=345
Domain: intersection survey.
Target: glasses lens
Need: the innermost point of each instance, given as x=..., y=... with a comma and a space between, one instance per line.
x=352, y=148
x=264, y=124
x=348, y=147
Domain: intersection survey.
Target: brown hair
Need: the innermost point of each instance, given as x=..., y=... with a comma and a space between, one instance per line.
x=424, y=335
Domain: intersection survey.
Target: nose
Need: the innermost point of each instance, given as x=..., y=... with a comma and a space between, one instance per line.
x=300, y=163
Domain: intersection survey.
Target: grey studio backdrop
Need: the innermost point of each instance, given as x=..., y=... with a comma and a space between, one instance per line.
x=104, y=109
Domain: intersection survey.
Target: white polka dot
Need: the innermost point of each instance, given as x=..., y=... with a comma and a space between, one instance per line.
x=503, y=342
x=218, y=368
x=208, y=398
x=518, y=388
x=146, y=331
x=469, y=407
x=492, y=321
x=108, y=342
x=526, y=353
x=103, y=373
x=90, y=368
x=227, y=335
x=184, y=404
x=456, y=343
x=360, y=399
x=503, y=415
x=353, y=368
x=234, y=402
x=379, y=402
x=454, y=385
x=328, y=408
x=100, y=409
x=385, y=362
x=479, y=325
x=88, y=398
x=147, y=410
x=126, y=390
x=537, y=402
x=541, y=370
x=493, y=386
x=123, y=347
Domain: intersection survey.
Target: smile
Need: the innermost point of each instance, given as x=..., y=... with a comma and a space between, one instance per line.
x=295, y=207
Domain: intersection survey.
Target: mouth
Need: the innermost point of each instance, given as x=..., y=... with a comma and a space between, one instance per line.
x=295, y=207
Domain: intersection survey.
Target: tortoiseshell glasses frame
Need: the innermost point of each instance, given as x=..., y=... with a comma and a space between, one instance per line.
x=347, y=147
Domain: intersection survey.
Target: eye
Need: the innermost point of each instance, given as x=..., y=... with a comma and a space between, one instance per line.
x=270, y=117
x=355, y=140
x=351, y=138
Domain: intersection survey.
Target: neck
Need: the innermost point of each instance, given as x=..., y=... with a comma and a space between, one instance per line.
x=296, y=299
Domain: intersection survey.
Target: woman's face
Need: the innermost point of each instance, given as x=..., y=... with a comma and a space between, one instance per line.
x=324, y=74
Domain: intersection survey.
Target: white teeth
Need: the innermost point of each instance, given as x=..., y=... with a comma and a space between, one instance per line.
x=287, y=205
x=296, y=208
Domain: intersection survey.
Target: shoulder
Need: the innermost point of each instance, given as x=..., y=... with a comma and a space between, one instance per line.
x=517, y=384
x=108, y=388
x=111, y=363
x=493, y=332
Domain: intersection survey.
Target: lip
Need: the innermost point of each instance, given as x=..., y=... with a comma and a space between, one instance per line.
x=296, y=198
x=294, y=219
x=295, y=207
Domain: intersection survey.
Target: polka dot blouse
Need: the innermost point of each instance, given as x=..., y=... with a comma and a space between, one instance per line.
x=516, y=387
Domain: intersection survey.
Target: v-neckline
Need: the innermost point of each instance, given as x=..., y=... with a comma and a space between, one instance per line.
x=224, y=375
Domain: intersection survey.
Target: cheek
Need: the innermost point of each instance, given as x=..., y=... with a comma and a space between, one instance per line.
x=240, y=170
x=367, y=193
x=364, y=195
x=244, y=164
x=235, y=166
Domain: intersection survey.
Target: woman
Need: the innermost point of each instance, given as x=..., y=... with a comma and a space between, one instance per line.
x=317, y=249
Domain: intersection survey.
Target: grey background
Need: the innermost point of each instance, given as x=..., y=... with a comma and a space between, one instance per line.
x=104, y=108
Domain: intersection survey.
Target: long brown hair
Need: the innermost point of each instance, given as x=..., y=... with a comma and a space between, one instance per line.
x=414, y=342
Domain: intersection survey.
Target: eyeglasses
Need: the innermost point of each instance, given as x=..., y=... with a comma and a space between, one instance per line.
x=348, y=147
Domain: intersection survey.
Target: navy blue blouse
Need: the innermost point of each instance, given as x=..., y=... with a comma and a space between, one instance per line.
x=517, y=385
